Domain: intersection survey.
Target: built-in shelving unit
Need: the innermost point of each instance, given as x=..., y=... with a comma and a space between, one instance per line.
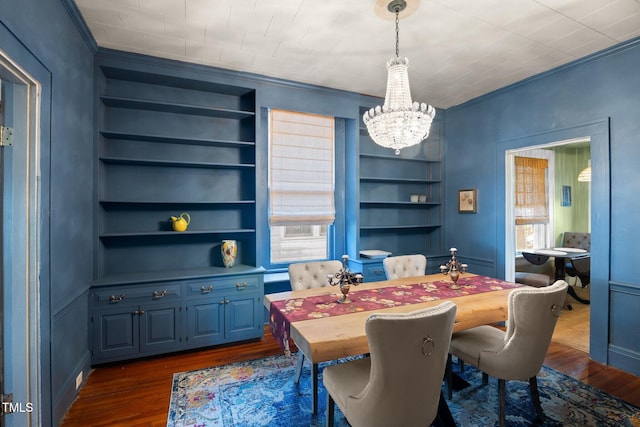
x=386, y=217
x=168, y=143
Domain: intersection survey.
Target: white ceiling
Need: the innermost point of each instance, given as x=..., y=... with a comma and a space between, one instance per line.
x=458, y=49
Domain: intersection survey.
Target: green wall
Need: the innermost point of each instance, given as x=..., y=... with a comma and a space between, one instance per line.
x=569, y=161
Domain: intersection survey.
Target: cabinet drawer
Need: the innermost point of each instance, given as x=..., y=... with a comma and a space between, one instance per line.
x=373, y=272
x=137, y=294
x=224, y=285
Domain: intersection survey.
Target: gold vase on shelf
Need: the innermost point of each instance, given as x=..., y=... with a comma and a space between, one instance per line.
x=229, y=252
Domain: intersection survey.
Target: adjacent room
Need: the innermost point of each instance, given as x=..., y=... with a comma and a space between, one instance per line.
x=249, y=212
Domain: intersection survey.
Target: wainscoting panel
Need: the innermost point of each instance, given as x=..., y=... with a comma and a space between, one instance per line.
x=624, y=347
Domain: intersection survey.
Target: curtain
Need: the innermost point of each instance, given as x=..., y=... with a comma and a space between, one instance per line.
x=301, y=168
x=531, y=191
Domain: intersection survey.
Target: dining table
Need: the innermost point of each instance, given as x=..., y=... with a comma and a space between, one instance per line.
x=561, y=256
x=325, y=330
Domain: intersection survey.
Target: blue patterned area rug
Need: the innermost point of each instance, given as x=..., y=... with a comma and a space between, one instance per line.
x=262, y=393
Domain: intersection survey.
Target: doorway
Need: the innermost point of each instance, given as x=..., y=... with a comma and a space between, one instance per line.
x=568, y=206
x=20, y=231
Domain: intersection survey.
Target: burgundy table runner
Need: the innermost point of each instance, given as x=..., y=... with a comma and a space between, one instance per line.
x=283, y=313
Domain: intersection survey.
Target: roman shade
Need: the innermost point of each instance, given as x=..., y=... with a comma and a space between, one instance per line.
x=531, y=190
x=301, y=168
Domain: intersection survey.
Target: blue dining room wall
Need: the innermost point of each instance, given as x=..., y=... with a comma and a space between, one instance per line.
x=599, y=97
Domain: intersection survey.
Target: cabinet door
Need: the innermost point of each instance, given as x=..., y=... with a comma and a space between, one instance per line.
x=243, y=317
x=115, y=334
x=160, y=328
x=205, y=321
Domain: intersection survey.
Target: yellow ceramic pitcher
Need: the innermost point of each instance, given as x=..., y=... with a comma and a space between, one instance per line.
x=181, y=222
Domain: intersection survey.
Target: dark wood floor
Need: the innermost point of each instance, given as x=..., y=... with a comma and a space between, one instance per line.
x=137, y=393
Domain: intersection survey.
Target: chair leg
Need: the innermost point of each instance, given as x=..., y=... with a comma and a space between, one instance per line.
x=448, y=377
x=299, y=363
x=502, y=401
x=330, y=410
x=535, y=397
x=314, y=381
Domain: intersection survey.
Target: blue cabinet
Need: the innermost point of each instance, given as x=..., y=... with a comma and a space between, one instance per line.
x=135, y=320
x=372, y=270
x=223, y=310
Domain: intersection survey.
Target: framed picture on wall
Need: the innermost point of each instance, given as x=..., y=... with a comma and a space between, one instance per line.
x=468, y=201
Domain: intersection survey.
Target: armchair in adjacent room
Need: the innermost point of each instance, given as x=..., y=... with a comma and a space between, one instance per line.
x=578, y=267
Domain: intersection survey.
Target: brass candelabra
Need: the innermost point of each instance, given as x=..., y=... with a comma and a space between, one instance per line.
x=453, y=268
x=345, y=278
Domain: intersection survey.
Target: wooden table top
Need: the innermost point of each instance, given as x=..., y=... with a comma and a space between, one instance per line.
x=336, y=337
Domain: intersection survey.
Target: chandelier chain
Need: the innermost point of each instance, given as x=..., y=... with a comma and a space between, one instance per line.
x=397, y=32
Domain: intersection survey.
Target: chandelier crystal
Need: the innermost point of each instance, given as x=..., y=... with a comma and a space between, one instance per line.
x=399, y=123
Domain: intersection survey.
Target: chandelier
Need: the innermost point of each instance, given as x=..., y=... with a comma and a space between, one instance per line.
x=399, y=123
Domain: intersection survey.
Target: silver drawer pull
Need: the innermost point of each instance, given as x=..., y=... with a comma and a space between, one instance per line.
x=204, y=290
x=116, y=299
x=158, y=295
x=241, y=286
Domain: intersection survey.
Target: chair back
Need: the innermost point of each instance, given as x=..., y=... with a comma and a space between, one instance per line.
x=533, y=313
x=307, y=275
x=408, y=360
x=572, y=239
x=396, y=267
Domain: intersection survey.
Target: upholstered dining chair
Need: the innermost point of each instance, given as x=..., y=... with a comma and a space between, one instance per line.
x=518, y=352
x=399, y=266
x=400, y=383
x=307, y=275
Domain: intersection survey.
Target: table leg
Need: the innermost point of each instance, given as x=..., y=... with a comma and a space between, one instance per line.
x=299, y=364
x=572, y=292
x=314, y=389
x=314, y=380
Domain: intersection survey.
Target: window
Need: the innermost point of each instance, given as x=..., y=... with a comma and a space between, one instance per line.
x=301, y=185
x=532, y=200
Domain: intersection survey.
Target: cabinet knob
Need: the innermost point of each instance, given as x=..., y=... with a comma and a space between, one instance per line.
x=116, y=299
x=158, y=295
x=139, y=312
x=204, y=290
x=241, y=286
